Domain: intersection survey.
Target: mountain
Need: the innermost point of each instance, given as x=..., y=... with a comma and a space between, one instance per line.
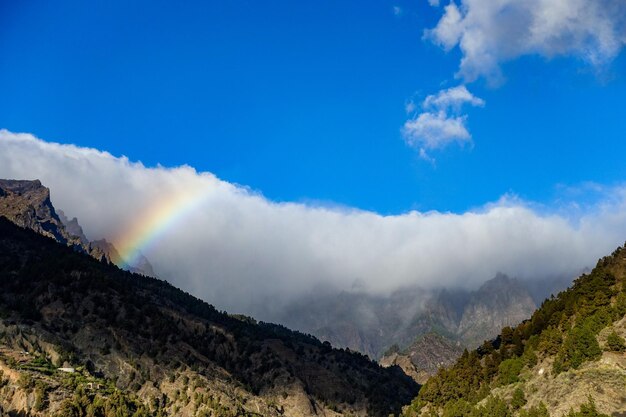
x=353, y=320
x=372, y=324
x=459, y=319
x=72, y=226
x=79, y=337
x=499, y=302
x=102, y=249
x=567, y=359
x=424, y=356
x=27, y=204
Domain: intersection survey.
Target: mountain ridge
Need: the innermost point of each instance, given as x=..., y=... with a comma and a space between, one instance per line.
x=27, y=203
x=372, y=324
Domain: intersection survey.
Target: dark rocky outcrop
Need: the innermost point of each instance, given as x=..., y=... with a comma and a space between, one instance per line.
x=424, y=356
x=27, y=204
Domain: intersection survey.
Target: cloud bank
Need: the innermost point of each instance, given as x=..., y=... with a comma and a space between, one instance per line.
x=234, y=247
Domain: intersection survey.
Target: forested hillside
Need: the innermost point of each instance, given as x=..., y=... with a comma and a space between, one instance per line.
x=79, y=337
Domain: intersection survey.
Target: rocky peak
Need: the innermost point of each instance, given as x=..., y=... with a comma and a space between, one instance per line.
x=500, y=291
x=501, y=301
x=500, y=283
x=73, y=227
x=23, y=186
x=27, y=204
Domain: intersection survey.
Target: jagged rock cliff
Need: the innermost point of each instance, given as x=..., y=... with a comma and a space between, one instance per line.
x=27, y=204
x=424, y=357
x=499, y=302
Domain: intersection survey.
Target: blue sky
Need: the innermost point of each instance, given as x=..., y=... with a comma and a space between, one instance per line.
x=305, y=101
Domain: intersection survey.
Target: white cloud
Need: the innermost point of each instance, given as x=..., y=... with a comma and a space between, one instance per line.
x=410, y=106
x=452, y=98
x=435, y=130
x=397, y=10
x=449, y=28
x=235, y=247
x=441, y=122
x=489, y=32
x=434, y=3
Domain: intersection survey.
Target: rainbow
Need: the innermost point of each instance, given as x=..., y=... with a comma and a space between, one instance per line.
x=153, y=223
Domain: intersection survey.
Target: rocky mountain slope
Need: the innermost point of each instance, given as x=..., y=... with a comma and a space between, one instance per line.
x=373, y=324
x=424, y=356
x=459, y=319
x=568, y=359
x=80, y=337
x=499, y=302
x=27, y=204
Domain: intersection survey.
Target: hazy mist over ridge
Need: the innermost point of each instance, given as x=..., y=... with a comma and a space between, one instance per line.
x=233, y=247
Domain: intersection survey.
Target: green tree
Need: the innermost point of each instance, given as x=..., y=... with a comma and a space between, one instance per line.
x=535, y=411
x=494, y=407
x=41, y=396
x=580, y=346
x=550, y=340
x=507, y=335
x=509, y=370
x=458, y=408
x=587, y=410
x=615, y=342
x=518, y=400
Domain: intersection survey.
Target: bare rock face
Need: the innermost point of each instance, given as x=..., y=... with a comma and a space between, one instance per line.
x=142, y=266
x=27, y=204
x=499, y=302
x=425, y=356
x=73, y=227
x=104, y=250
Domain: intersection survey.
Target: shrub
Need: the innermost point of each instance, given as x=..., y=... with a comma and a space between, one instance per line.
x=509, y=370
x=494, y=407
x=459, y=408
x=535, y=411
x=615, y=342
x=580, y=346
x=587, y=410
x=26, y=381
x=518, y=400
